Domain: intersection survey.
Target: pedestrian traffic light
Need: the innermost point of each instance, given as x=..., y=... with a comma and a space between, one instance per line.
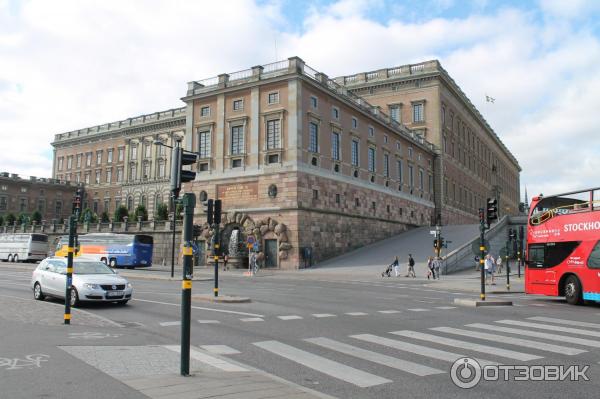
x=217, y=213
x=179, y=158
x=491, y=210
x=210, y=212
x=435, y=243
x=442, y=243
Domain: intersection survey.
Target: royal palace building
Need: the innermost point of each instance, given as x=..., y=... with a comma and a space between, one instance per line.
x=305, y=165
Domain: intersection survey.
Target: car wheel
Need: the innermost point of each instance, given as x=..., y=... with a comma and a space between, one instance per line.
x=74, y=297
x=37, y=292
x=112, y=263
x=573, y=291
x=16, y=258
x=124, y=302
x=10, y=258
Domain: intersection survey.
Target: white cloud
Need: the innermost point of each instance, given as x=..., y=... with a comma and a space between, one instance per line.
x=68, y=64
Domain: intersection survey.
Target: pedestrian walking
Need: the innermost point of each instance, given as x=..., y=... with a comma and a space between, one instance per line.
x=499, y=264
x=493, y=269
x=252, y=263
x=225, y=260
x=477, y=263
x=488, y=265
x=437, y=264
x=396, y=266
x=430, y=269
x=411, y=267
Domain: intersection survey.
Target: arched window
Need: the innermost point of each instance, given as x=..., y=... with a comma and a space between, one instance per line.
x=130, y=203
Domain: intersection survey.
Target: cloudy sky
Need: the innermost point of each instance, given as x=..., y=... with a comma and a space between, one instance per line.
x=65, y=65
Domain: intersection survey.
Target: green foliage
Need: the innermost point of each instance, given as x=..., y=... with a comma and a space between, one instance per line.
x=10, y=219
x=1, y=221
x=162, y=212
x=88, y=216
x=104, y=217
x=120, y=213
x=36, y=217
x=140, y=211
x=22, y=218
x=179, y=211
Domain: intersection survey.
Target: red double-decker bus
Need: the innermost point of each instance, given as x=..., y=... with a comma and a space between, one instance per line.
x=563, y=246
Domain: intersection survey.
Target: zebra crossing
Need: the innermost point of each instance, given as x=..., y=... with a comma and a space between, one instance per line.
x=425, y=353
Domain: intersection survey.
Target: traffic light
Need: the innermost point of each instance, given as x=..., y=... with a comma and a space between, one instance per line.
x=77, y=200
x=513, y=234
x=217, y=215
x=509, y=234
x=481, y=215
x=442, y=243
x=209, y=212
x=521, y=233
x=491, y=210
x=179, y=158
x=435, y=243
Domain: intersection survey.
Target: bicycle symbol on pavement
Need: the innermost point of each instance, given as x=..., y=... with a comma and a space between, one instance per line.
x=30, y=361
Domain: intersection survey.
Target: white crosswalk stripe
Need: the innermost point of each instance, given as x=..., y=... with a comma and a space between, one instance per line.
x=400, y=364
x=209, y=322
x=418, y=310
x=388, y=311
x=169, y=323
x=467, y=345
x=290, y=317
x=416, y=349
x=220, y=349
x=567, y=322
x=322, y=315
x=511, y=340
x=537, y=334
x=249, y=319
x=326, y=366
x=356, y=313
x=208, y=359
x=550, y=327
x=445, y=307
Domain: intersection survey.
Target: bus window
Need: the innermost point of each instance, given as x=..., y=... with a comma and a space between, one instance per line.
x=551, y=254
x=536, y=255
x=39, y=237
x=143, y=239
x=594, y=259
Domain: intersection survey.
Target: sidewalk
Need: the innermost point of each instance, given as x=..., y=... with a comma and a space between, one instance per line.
x=471, y=282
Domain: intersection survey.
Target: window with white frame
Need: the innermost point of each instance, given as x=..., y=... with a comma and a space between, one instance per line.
x=385, y=138
x=410, y=151
x=98, y=157
x=88, y=159
x=109, y=175
x=133, y=172
x=134, y=152
x=371, y=159
x=109, y=156
x=204, y=144
x=146, y=170
x=238, y=105
x=119, y=175
x=60, y=163
x=395, y=113
x=205, y=111
x=79, y=157
x=273, y=134
x=87, y=178
x=97, y=178
x=421, y=180
x=273, y=97
x=121, y=154
x=335, y=146
x=313, y=140
x=237, y=140
x=147, y=150
x=386, y=165
x=418, y=114
x=161, y=169
x=354, y=152
x=69, y=162
x=398, y=146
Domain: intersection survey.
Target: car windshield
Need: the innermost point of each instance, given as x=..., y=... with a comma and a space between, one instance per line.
x=91, y=268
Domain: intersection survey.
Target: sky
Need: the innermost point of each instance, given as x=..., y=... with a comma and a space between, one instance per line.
x=70, y=64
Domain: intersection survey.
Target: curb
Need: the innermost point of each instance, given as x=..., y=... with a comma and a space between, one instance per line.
x=221, y=299
x=479, y=303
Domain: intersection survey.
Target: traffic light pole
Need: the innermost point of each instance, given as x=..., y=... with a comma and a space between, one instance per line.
x=507, y=269
x=70, y=252
x=174, y=205
x=189, y=202
x=482, y=252
x=216, y=258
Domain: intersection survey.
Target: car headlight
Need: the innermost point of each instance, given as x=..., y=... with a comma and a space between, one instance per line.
x=129, y=285
x=92, y=286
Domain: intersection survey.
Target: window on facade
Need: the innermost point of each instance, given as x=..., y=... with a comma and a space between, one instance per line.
x=79, y=158
x=162, y=150
x=335, y=146
x=133, y=172
x=22, y=204
x=410, y=151
x=238, y=105
x=98, y=157
x=411, y=181
x=386, y=165
x=385, y=138
x=204, y=144
x=313, y=140
x=161, y=169
x=60, y=163
x=354, y=153
x=395, y=113
x=120, y=175
x=371, y=159
x=273, y=158
x=398, y=146
x=97, y=178
x=443, y=116
x=421, y=180
x=130, y=203
x=313, y=101
x=236, y=163
x=205, y=111
x=335, y=113
x=146, y=171
x=418, y=115
x=109, y=156
x=356, y=202
x=87, y=178
x=354, y=123
x=204, y=167
x=106, y=205
x=273, y=134
x=58, y=208
x=273, y=97
x=78, y=177
x=95, y=207
x=3, y=203
x=399, y=165
x=147, y=150
x=108, y=175
x=430, y=184
x=88, y=159
x=315, y=194
x=134, y=152
x=69, y=162
x=237, y=140
x=121, y=154
x=337, y=199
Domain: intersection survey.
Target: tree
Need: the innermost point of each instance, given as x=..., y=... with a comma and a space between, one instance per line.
x=1, y=221
x=179, y=211
x=120, y=213
x=162, y=212
x=140, y=212
x=88, y=216
x=22, y=218
x=10, y=219
x=36, y=216
x=104, y=217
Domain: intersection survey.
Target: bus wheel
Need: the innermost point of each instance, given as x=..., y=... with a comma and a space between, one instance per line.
x=103, y=260
x=112, y=263
x=16, y=258
x=10, y=259
x=573, y=291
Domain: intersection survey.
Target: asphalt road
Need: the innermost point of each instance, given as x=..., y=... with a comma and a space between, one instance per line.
x=356, y=337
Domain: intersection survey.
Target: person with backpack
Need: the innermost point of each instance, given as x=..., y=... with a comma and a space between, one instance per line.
x=411, y=267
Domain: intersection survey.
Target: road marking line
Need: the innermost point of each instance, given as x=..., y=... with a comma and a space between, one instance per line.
x=388, y=311
x=321, y=315
x=290, y=317
x=334, y=369
x=208, y=359
x=416, y=349
x=491, y=350
x=550, y=327
x=567, y=322
x=552, y=337
x=445, y=307
x=170, y=323
x=208, y=321
x=388, y=361
x=418, y=310
x=220, y=349
x=246, y=319
x=201, y=308
x=356, y=314
x=511, y=340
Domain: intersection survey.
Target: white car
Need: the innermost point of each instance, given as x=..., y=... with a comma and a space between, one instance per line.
x=92, y=281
